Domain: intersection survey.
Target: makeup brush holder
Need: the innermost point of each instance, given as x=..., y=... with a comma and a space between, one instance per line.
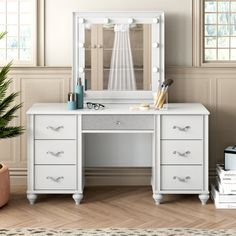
x=160, y=101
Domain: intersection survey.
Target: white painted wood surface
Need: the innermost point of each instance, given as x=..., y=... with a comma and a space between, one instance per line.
x=182, y=178
x=55, y=127
x=182, y=127
x=173, y=109
x=167, y=178
x=55, y=177
x=182, y=152
x=55, y=152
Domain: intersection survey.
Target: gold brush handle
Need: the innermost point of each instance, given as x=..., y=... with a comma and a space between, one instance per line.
x=157, y=97
x=161, y=100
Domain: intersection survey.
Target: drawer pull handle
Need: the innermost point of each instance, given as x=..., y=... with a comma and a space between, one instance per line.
x=184, y=180
x=55, y=154
x=186, y=128
x=56, y=129
x=57, y=180
x=118, y=122
x=182, y=154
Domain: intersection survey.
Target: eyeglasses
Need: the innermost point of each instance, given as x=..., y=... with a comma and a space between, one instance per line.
x=95, y=106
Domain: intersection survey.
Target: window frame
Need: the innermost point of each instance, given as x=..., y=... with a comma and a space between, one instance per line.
x=199, y=38
x=34, y=25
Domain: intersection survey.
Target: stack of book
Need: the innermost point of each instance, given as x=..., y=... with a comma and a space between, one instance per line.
x=224, y=193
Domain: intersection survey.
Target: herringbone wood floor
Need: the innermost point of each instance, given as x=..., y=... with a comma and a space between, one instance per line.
x=102, y=207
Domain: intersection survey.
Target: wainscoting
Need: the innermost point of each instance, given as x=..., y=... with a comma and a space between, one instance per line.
x=214, y=87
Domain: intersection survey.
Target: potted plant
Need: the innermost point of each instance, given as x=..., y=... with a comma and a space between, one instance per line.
x=7, y=113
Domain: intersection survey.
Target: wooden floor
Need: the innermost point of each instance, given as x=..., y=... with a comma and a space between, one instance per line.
x=104, y=207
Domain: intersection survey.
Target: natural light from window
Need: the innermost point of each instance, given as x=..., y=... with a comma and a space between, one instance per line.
x=16, y=18
x=220, y=30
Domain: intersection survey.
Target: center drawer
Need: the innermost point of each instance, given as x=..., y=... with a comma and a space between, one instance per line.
x=118, y=122
x=55, y=177
x=55, y=152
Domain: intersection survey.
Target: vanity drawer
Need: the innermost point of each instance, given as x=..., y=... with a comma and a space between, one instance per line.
x=181, y=178
x=55, y=177
x=55, y=152
x=55, y=127
x=118, y=122
x=181, y=152
x=182, y=127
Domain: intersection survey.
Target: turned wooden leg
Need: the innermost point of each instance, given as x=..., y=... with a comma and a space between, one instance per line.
x=157, y=198
x=203, y=198
x=77, y=197
x=32, y=198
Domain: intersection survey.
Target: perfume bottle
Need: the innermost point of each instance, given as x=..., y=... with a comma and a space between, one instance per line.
x=71, y=102
x=79, y=90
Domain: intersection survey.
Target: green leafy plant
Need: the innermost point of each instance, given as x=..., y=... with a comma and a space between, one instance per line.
x=7, y=111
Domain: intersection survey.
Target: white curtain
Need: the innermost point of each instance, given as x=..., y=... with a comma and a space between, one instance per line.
x=121, y=76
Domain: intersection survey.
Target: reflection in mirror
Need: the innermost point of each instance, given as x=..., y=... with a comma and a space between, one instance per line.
x=118, y=57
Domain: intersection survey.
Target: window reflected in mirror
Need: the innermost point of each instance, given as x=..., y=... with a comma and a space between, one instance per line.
x=118, y=57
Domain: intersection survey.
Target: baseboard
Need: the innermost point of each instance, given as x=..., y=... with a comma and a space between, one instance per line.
x=117, y=176
x=109, y=176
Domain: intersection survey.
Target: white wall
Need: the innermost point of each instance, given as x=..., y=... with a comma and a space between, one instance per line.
x=58, y=34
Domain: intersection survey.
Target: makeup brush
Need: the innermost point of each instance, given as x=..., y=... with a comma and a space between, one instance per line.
x=162, y=93
x=168, y=83
x=159, y=92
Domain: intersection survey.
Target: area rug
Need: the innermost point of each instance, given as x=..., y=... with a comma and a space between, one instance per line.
x=116, y=232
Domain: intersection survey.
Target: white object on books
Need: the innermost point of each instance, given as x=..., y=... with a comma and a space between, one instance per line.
x=230, y=158
x=225, y=198
x=226, y=188
x=217, y=199
x=225, y=175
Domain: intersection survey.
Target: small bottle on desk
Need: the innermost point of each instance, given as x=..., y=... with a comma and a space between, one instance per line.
x=79, y=90
x=71, y=103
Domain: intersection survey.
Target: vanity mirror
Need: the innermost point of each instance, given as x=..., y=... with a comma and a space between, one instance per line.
x=118, y=54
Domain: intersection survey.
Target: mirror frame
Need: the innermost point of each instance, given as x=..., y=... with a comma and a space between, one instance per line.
x=157, y=22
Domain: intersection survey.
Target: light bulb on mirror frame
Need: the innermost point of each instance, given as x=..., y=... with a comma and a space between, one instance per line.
x=155, y=70
x=130, y=20
x=155, y=20
x=81, y=70
x=81, y=45
x=155, y=45
x=81, y=20
x=106, y=20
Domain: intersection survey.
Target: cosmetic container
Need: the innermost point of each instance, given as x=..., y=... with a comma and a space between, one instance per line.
x=160, y=100
x=79, y=90
x=71, y=102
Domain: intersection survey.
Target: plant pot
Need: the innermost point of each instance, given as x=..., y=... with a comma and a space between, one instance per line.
x=4, y=185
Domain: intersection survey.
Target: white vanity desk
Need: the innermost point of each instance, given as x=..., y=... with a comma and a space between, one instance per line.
x=55, y=146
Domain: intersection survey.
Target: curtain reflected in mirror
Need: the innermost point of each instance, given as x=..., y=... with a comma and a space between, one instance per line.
x=118, y=57
x=121, y=75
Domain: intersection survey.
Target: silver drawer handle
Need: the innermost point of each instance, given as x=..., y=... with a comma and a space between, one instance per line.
x=186, y=128
x=185, y=179
x=57, y=180
x=55, y=154
x=182, y=154
x=56, y=129
x=118, y=122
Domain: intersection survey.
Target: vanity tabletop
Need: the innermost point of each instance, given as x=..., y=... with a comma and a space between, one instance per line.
x=173, y=108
